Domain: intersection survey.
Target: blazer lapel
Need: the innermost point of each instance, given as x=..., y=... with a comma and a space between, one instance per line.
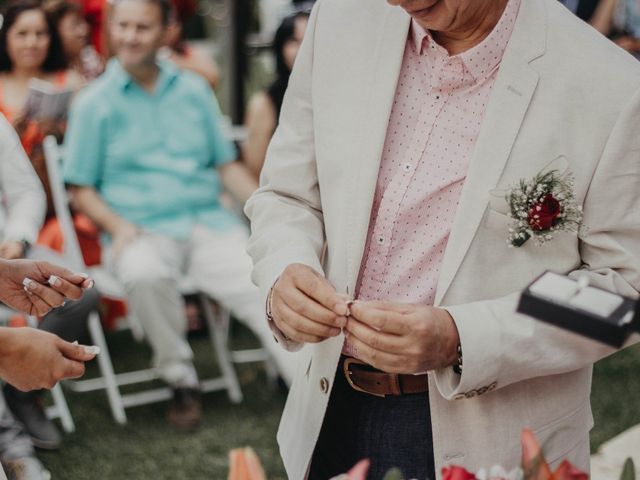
x=381, y=83
x=514, y=88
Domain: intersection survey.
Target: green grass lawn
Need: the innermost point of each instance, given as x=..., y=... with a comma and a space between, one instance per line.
x=146, y=448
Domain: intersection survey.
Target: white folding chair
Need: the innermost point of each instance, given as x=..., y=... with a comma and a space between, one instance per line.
x=109, y=380
x=60, y=408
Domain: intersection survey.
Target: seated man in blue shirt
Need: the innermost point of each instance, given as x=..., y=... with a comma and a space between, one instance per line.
x=143, y=153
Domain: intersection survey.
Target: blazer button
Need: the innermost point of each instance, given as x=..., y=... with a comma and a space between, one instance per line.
x=324, y=385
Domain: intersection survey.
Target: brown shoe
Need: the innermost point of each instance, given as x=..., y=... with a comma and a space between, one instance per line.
x=185, y=409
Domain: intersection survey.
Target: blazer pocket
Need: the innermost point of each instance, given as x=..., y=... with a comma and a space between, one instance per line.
x=562, y=435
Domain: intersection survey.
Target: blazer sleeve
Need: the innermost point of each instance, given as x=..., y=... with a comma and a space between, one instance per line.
x=286, y=212
x=501, y=347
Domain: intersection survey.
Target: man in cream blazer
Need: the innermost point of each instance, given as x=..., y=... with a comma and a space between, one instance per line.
x=564, y=98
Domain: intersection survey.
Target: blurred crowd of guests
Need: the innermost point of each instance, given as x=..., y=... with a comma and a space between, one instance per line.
x=617, y=19
x=146, y=162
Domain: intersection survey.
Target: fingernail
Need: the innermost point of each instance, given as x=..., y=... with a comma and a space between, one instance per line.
x=91, y=350
x=91, y=284
x=75, y=342
x=29, y=284
x=341, y=308
x=54, y=281
x=83, y=275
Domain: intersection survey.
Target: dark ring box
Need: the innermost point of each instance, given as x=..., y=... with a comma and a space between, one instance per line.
x=586, y=310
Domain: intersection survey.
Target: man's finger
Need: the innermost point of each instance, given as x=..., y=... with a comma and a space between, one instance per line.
x=48, y=295
x=296, y=336
x=309, y=308
x=383, y=361
x=381, y=320
x=81, y=353
x=318, y=288
x=303, y=325
x=378, y=340
x=403, y=308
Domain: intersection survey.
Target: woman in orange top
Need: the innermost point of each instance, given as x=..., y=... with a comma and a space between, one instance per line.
x=30, y=48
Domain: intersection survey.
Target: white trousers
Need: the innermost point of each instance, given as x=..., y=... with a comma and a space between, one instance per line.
x=216, y=263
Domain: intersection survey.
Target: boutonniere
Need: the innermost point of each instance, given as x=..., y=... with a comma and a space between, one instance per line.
x=542, y=206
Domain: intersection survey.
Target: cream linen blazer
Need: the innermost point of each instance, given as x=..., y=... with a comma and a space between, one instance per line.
x=564, y=96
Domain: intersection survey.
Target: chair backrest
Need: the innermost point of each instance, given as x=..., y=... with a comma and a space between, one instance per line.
x=53, y=160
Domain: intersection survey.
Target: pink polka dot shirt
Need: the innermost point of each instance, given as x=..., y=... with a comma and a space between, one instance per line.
x=438, y=109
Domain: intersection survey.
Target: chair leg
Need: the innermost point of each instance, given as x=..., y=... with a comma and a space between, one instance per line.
x=62, y=409
x=106, y=369
x=217, y=331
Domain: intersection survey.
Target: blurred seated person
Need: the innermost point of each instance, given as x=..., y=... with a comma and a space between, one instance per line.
x=185, y=55
x=584, y=9
x=144, y=156
x=30, y=48
x=264, y=107
x=620, y=21
x=22, y=213
x=73, y=30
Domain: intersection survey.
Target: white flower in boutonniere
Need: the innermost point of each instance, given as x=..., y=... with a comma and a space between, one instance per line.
x=542, y=206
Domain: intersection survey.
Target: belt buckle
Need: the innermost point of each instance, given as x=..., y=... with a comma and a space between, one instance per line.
x=347, y=373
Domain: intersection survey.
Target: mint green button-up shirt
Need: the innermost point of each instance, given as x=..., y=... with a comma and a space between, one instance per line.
x=151, y=157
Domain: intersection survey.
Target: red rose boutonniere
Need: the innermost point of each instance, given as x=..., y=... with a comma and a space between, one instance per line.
x=542, y=206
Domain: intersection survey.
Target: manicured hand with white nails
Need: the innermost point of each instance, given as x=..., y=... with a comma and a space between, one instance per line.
x=31, y=359
x=35, y=287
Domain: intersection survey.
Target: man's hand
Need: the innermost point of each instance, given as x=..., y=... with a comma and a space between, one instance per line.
x=10, y=250
x=36, y=287
x=401, y=338
x=306, y=307
x=122, y=236
x=31, y=359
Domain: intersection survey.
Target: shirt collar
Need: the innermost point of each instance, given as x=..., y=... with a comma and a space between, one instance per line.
x=168, y=73
x=482, y=59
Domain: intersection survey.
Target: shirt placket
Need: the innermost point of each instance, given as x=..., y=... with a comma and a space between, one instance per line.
x=392, y=201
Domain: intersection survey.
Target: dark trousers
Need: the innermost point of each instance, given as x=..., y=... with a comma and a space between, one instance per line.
x=391, y=432
x=70, y=322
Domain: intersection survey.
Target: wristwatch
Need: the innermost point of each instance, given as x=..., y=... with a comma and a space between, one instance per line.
x=457, y=367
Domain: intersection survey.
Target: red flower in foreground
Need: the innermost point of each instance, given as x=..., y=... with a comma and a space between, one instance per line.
x=544, y=215
x=456, y=473
x=566, y=471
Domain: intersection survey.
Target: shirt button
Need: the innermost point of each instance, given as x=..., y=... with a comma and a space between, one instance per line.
x=324, y=385
x=407, y=167
x=380, y=240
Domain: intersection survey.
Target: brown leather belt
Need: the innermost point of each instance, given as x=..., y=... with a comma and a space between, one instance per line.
x=364, y=378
